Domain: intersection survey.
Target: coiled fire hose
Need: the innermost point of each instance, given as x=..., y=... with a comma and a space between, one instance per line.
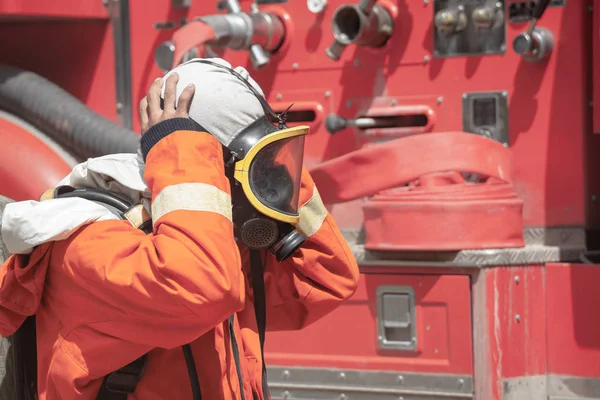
x=419, y=199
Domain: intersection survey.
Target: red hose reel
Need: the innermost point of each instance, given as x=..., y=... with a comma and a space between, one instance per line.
x=420, y=201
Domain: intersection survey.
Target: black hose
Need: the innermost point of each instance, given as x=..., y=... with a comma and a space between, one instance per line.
x=101, y=196
x=191, y=367
x=61, y=116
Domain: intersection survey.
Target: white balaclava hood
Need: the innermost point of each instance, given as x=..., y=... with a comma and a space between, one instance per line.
x=222, y=103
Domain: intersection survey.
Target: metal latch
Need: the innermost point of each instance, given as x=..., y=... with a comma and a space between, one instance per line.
x=396, y=318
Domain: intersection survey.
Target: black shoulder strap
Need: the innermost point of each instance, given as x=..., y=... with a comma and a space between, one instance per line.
x=24, y=359
x=260, y=310
x=118, y=384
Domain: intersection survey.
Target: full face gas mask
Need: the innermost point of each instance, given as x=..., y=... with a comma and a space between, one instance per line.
x=264, y=165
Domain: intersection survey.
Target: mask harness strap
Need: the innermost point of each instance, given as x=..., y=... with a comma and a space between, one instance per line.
x=260, y=309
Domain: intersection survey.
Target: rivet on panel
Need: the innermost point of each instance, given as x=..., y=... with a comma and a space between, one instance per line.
x=518, y=318
x=505, y=94
x=517, y=279
x=394, y=102
x=286, y=395
x=436, y=351
x=440, y=100
x=295, y=65
x=327, y=93
x=461, y=383
x=427, y=327
x=343, y=396
x=279, y=96
x=342, y=375
x=400, y=379
x=286, y=374
x=425, y=2
x=499, y=4
x=426, y=59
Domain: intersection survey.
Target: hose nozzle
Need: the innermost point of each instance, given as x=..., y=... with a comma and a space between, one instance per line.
x=365, y=24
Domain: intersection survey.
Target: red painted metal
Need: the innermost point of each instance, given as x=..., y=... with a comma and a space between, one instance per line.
x=545, y=125
x=553, y=164
x=596, y=65
x=573, y=330
x=77, y=9
x=27, y=166
x=443, y=328
x=76, y=55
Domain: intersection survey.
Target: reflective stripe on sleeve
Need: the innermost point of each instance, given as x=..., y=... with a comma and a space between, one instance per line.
x=191, y=197
x=312, y=214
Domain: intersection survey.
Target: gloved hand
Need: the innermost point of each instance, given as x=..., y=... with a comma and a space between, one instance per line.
x=222, y=104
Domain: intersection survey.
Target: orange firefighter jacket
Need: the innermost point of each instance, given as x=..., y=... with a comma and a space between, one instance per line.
x=110, y=293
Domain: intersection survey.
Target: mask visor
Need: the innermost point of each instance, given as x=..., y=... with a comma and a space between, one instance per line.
x=274, y=175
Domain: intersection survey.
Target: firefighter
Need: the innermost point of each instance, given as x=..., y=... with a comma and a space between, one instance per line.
x=105, y=294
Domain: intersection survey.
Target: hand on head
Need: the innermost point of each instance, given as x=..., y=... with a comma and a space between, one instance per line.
x=151, y=112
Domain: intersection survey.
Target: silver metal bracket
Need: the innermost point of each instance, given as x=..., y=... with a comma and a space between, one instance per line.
x=396, y=318
x=119, y=17
x=181, y=3
x=468, y=28
x=486, y=114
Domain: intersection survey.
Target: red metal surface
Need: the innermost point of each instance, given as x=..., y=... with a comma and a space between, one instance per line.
x=545, y=123
x=347, y=338
x=573, y=329
x=516, y=301
x=596, y=64
x=27, y=166
x=78, y=9
x=76, y=55
x=509, y=330
x=554, y=162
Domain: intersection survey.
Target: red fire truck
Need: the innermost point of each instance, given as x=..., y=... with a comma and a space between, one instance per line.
x=456, y=142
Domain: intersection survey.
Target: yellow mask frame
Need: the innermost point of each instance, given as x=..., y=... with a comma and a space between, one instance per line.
x=242, y=169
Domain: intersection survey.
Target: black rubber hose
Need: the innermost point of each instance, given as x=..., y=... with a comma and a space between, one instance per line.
x=61, y=116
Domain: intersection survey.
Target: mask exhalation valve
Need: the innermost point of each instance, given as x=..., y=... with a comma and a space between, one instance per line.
x=259, y=233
